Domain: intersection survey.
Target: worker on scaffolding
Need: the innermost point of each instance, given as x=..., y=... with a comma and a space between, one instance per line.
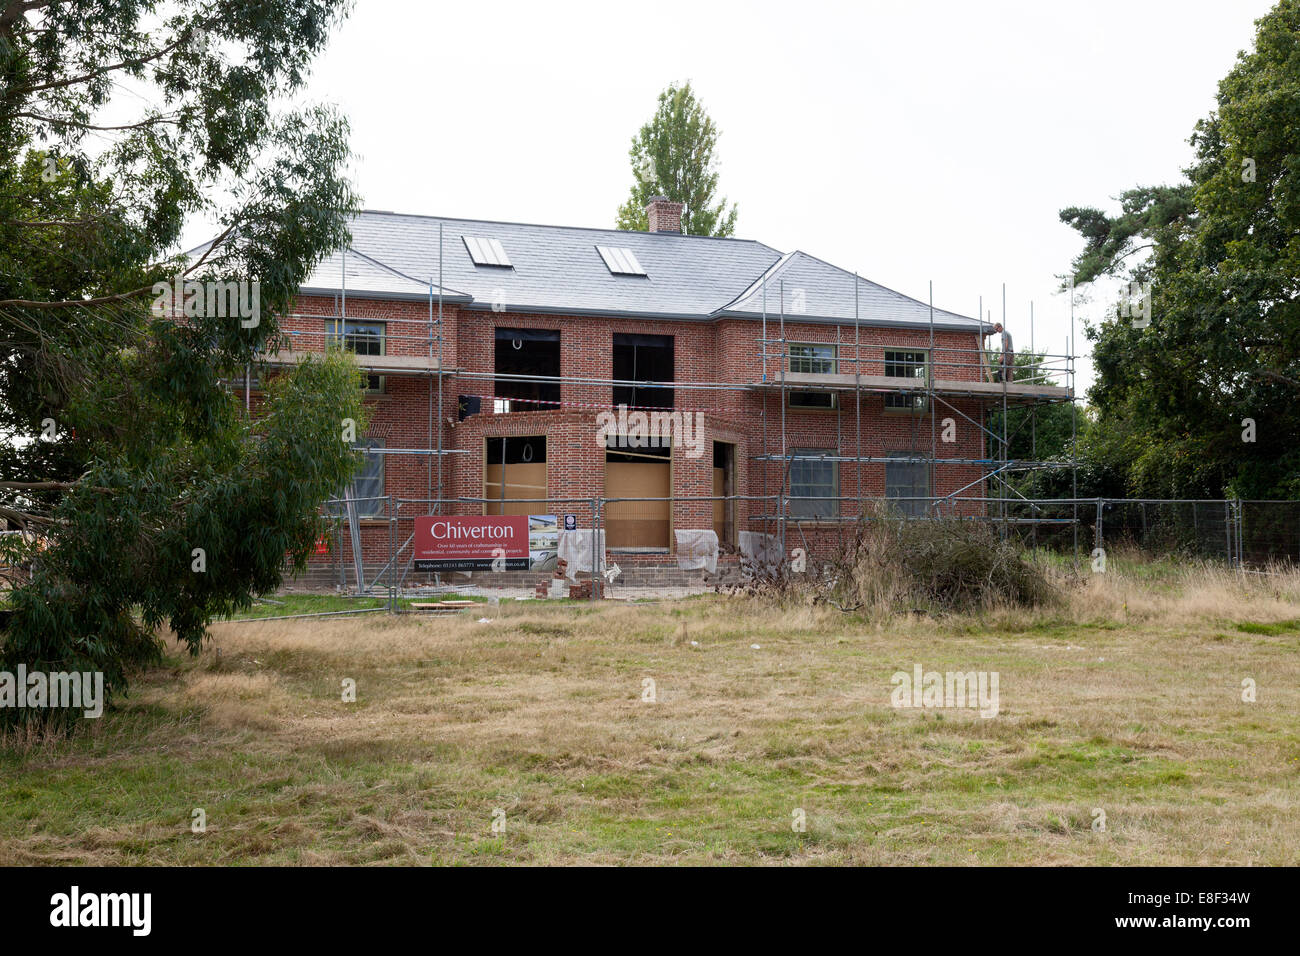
x=1006, y=370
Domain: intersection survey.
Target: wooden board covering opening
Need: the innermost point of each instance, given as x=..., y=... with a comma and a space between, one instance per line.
x=638, y=524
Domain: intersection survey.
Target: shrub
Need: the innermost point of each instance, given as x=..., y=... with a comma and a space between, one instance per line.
x=887, y=563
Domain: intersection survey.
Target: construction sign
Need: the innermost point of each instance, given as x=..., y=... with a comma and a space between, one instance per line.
x=471, y=543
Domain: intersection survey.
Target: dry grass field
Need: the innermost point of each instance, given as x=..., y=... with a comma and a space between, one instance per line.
x=1127, y=700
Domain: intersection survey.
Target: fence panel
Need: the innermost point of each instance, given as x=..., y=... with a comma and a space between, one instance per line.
x=1269, y=532
x=369, y=545
x=1190, y=529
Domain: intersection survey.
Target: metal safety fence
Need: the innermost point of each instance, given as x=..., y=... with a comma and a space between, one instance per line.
x=646, y=542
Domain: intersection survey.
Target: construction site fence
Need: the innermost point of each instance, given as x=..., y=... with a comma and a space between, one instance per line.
x=370, y=548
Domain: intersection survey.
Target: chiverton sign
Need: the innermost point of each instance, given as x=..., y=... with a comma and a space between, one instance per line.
x=470, y=543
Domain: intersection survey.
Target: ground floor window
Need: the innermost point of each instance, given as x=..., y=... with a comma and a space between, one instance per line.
x=814, y=483
x=514, y=475
x=908, y=480
x=367, y=486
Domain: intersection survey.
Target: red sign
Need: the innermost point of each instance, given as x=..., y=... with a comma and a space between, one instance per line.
x=462, y=543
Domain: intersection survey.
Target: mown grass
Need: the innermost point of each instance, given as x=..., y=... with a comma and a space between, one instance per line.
x=1127, y=700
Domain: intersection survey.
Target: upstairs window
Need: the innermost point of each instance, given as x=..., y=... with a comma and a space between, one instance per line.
x=907, y=363
x=643, y=358
x=523, y=354
x=812, y=359
x=362, y=337
x=812, y=401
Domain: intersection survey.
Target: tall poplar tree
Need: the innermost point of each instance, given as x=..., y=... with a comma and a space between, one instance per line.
x=673, y=156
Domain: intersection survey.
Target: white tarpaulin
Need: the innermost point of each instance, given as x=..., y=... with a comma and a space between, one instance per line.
x=575, y=548
x=759, y=549
x=697, y=549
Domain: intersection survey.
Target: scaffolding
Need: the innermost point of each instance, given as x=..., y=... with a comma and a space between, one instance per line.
x=950, y=374
x=1037, y=386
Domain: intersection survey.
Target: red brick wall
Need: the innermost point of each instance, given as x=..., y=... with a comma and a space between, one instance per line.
x=408, y=324
x=726, y=351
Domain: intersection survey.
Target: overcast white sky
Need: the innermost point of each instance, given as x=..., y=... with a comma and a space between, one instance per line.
x=911, y=141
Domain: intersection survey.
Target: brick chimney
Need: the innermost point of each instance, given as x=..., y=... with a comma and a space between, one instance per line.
x=664, y=215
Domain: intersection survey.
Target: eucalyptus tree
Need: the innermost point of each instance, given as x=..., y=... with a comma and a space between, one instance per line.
x=139, y=493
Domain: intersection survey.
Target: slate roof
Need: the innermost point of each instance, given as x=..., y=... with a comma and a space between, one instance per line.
x=366, y=275
x=558, y=269
x=817, y=290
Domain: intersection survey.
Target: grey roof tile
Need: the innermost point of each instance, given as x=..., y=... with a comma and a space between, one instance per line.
x=558, y=269
x=361, y=273
x=817, y=290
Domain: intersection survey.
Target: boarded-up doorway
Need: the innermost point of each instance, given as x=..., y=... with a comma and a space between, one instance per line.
x=638, y=472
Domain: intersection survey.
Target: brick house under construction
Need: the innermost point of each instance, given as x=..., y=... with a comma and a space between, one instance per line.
x=491, y=350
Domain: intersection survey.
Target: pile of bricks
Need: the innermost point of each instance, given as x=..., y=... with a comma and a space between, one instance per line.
x=578, y=590
x=543, y=589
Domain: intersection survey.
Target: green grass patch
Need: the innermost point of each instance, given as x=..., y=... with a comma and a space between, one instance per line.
x=1278, y=627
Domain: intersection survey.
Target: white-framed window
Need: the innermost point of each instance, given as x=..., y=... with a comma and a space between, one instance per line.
x=907, y=363
x=368, y=484
x=814, y=483
x=363, y=337
x=908, y=480
x=813, y=358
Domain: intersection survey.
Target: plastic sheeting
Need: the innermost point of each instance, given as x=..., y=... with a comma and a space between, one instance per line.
x=759, y=549
x=575, y=548
x=697, y=549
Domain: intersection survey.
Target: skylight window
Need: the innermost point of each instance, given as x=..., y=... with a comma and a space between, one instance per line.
x=621, y=261
x=487, y=252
